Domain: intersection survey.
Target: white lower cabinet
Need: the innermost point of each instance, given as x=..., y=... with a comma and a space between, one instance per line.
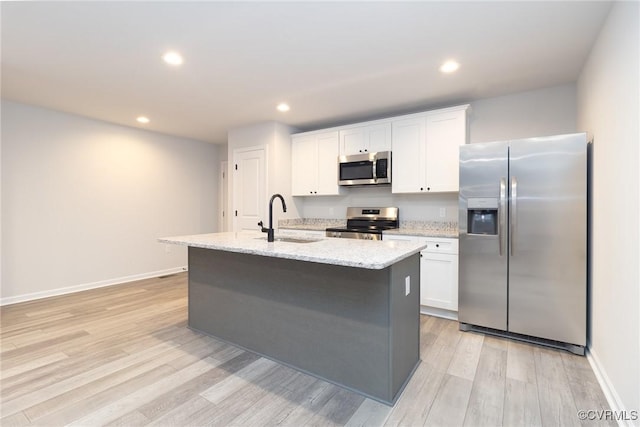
x=438, y=274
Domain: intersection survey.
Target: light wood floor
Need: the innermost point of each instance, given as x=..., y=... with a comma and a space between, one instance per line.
x=123, y=355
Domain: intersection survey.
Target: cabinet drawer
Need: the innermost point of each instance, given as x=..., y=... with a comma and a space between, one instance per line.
x=441, y=245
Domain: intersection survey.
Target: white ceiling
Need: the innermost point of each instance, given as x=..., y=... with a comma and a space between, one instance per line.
x=333, y=62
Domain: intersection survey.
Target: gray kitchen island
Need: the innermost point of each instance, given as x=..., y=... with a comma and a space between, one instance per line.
x=343, y=310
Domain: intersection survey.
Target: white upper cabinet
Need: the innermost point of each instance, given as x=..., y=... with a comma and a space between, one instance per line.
x=446, y=132
x=328, y=164
x=314, y=161
x=426, y=150
x=365, y=139
x=408, y=155
x=424, y=146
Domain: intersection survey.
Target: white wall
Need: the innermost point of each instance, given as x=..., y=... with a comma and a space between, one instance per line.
x=84, y=201
x=608, y=107
x=277, y=138
x=548, y=111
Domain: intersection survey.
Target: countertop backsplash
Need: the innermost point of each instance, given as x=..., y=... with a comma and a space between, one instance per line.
x=409, y=228
x=311, y=223
x=427, y=228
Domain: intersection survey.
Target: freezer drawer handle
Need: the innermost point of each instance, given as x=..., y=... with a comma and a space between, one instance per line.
x=513, y=213
x=501, y=209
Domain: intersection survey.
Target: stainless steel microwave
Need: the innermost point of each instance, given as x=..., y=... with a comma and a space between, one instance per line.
x=365, y=169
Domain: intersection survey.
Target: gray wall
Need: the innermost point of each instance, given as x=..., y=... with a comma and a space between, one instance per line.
x=608, y=107
x=84, y=201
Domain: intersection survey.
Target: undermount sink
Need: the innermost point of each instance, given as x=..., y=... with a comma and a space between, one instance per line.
x=292, y=239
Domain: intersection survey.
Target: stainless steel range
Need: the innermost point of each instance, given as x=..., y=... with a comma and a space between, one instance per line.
x=366, y=223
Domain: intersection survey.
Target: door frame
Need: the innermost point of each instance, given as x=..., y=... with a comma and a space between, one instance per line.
x=233, y=180
x=223, y=196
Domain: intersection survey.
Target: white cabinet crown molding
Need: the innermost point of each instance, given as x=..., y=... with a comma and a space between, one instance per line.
x=466, y=107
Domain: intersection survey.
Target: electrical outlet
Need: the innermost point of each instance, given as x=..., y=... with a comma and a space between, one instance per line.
x=407, y=285
x=443, y=212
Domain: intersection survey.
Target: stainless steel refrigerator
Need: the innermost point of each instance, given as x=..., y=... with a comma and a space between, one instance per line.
x=523, y=239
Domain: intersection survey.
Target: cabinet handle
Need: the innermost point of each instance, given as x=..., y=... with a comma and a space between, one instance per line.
x=428, y=188
x=437, y=245
x=421, y=189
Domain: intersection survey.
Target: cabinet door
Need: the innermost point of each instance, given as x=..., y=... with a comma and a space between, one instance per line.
x=365, y=139
x=304, y=165
x=378, y=137
x=445, y=133
x=327, y=164
x=352, y=141
x=439, y=280
x=408, y=145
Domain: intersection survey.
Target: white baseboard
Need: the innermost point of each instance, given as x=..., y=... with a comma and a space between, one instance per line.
x=71, y=289
x=439, y=312
x=615, y=403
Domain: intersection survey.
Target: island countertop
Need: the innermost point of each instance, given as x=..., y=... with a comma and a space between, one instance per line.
x=375, y=255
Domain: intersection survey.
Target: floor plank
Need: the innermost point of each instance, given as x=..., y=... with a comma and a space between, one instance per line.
x=486, y=403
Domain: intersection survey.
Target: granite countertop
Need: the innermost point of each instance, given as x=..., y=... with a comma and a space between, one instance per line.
x=313, y=224
x=427, y=229
x=442, y=229
x=374, y=255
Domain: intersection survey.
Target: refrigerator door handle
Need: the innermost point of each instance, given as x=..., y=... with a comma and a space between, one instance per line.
x=501, y=212
x=513, y=213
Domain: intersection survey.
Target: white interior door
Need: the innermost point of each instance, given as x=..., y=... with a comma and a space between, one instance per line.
x=249, y=188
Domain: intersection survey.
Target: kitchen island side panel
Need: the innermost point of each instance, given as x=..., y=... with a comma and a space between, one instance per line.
x=334, y=322
x=405, y=320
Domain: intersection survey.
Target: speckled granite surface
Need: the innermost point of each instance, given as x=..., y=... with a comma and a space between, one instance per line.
x=427, y=229
x=368, y=254
x=408, y=228
x=311, y=223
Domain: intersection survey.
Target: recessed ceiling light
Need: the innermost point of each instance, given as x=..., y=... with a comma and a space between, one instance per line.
x=282, y=107
x=172, y=58
x=143, y=119
x=449, y=66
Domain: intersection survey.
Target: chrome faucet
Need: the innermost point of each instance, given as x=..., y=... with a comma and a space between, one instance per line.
x=269, y=230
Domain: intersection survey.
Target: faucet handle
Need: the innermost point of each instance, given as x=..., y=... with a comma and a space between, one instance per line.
x=261, y=225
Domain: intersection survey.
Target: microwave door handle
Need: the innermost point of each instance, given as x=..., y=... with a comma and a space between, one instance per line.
x=375, y=169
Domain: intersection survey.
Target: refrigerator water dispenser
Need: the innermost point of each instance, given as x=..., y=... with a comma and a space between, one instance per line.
x=482, y=216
